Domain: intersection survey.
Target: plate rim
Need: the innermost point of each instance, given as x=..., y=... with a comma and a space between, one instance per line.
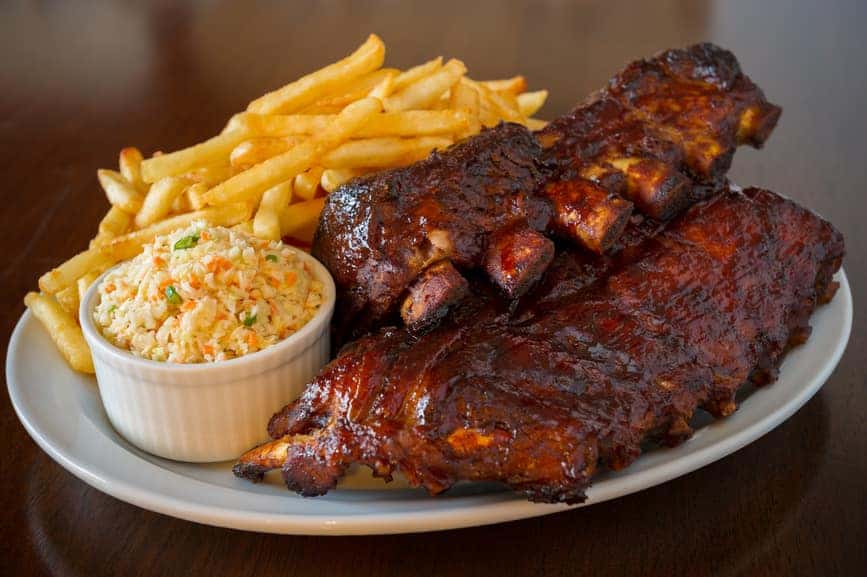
x=498, y=507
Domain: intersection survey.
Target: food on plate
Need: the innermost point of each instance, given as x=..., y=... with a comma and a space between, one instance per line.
x=617, y=350
x=491, y=202
x=269, y=169
x=204, y=294
x=62, y=327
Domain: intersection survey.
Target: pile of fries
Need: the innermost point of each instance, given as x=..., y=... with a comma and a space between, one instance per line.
x=270, y=168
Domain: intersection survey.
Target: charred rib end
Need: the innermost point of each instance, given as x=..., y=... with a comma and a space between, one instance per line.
x=516, y=258
x=437, y=288
x=587, y=213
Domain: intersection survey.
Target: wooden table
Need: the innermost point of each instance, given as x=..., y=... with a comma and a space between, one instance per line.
x=79, y=82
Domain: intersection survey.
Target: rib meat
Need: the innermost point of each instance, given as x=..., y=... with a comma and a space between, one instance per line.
x=581, y=373
x=491, y=202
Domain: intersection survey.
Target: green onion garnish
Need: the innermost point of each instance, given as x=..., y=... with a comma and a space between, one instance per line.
x=187, y=242
x=249, y=320
x=271, y=257
x=172, y=295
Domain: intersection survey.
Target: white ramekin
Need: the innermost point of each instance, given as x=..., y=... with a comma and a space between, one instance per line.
x=210, y=411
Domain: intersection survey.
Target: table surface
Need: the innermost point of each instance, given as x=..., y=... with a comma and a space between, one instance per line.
x=79, y=81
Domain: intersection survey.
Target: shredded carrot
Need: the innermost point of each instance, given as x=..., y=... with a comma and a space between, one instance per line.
x=204, y=235
x=207, y=350
x=189, y=305
x=110, y=288
x=158, y=262
x=273, y=282
x=291, y=277
x=251, y=339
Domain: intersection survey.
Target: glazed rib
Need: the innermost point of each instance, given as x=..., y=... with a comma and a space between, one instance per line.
x=489, y=203
x=581, y=373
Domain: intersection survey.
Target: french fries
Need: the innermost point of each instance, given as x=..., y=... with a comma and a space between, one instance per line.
x=129, y=162
x=416, y=73
x=158, y=202
x=63, y=329
x=383, y=152
x=209, y=152
x=266, y=172
x=301, y=216
x=119, y=191
x=307, y=183
x=465, y=99
x=332, y=178
x=406, y=123
x=426, y=90
x=266, y=224
x=68, y=272
x=115, y=222
x=68, y=299
x=514, y=85
x=529, y=103
x=249, y=184
x=295, y=95
x=84, y=283
x=252, y=152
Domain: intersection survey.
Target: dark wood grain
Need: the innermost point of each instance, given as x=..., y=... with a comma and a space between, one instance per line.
x=79, y=81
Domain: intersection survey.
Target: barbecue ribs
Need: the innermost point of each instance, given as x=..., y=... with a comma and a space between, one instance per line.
x=399, y=241
x=582, y=372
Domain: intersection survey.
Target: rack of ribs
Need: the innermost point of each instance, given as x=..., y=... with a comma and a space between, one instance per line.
x=579, y=374
x=401, y=242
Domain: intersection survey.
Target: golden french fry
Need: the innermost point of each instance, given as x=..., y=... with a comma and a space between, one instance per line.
x=266, y=224
x=252, y=152
x=307, y=89
x=84, y=283
x=426, y=91
x=498, y=103
x=357, y=89
x=129, y=162
x=514, y=85
x=406, y=123
x=307, y=183
x=182, y=201
x=120, y=193
x=205, y=153
x=63, y=329
x=384, y=87
x=195, y=194
x=249, y=184
x=332, y=178
x=301, y=216
x=382, y=152
x=536, y=123
x=68, y=300
x=158, y=202
x=114, y=223
x=415, y=73
x=466, y=99
x=99, y=240
x=529, y=103
x=211, y=174
x=68, y=272
x=130, y=244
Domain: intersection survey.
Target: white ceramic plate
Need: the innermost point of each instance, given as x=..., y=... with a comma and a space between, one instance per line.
x=62, y=412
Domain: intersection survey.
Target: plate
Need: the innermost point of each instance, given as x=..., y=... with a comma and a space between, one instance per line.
x=62, y=411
